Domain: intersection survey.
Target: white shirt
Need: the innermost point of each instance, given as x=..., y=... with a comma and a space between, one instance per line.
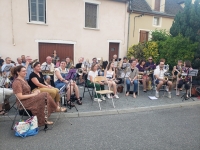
x=109, y=74
x=23, y=64
x=92, y=74
x=60, y=71
x=46, y=66
x=159, y=73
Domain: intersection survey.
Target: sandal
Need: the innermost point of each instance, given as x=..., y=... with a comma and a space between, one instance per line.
x=127, y=94
x=144, y=90
x=70, y=104
x=61, y=109
x=79, y=101
x=49, y=122
x=2, y=112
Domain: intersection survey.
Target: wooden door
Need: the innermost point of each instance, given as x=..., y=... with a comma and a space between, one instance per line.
x=144, y=35
x=113, y=50
x=62, y=50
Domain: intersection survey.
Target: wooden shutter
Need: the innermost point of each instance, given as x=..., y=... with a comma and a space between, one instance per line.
x=157, y=5
x=144, y=35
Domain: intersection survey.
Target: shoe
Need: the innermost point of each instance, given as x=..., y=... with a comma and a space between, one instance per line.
x=70, y=104
x=169, y=95
x=61, y=109
x=177, y=93
x=79, y=102
x=97, y=100
x=116, y=96
x=166, y=88
x=157, y=94
x=108, y=96
x=103, y=98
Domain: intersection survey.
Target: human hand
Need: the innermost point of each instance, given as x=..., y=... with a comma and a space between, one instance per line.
x=49, y=86
x=27, y=63
x=102, y=83
x=66, y=81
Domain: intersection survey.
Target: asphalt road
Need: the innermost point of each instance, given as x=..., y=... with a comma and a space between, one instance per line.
x=167, y=129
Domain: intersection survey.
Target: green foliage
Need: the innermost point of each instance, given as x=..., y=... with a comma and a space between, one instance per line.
x=187, y=22
x=136, y=51
x=177, y=48
x=151, y=49
x=159, y=35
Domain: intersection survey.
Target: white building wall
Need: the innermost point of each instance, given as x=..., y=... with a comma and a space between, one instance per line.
x=65, y=21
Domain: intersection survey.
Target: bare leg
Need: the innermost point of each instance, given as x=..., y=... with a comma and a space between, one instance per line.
x=169, y=83
x=76, y=91
x=159, y=85
x=114, y=87
x=144, y=82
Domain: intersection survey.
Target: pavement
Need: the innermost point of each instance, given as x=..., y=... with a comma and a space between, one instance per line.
x=161, y=129
x=125, y=104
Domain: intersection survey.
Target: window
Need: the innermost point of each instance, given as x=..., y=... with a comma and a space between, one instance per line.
x=37, y=11
x=91, y=15
x=157, y=5
x=156, y=21
x=144, y=36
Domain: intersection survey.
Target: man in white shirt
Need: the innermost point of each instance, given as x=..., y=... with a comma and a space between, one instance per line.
x=48, y=65
x=160, y=79
x=19, y=62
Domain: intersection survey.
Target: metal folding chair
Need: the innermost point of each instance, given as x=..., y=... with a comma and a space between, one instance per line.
x=102, y=92
x=63, y=95
x=88, y=89
x=21, y=112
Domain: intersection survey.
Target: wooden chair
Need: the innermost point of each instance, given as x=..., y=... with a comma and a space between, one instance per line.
x=102, y=92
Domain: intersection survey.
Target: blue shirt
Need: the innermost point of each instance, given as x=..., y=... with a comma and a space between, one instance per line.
x=29, y=70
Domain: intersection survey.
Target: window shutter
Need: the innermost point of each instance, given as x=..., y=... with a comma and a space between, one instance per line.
x=144, y=35
x=37, y=10
x=157, y=5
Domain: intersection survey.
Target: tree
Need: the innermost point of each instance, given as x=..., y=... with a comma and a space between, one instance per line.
x=159, y=35
x=187, y=22
x=136, y=51
x=151, y=49
x=177, y=48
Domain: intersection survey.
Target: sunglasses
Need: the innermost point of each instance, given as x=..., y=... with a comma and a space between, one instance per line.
x=150, y=59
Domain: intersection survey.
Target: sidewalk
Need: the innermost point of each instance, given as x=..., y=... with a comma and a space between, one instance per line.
x=125, y=104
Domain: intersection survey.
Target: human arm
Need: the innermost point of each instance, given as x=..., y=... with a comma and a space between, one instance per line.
x=58, y=75
x=23, y=97
x=37, y=83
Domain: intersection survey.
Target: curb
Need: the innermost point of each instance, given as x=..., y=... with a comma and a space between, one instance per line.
x=116, y=111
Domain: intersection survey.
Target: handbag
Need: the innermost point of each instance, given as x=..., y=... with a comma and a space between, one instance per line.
x=27, y=128
x=6, y=105
x=120, y=89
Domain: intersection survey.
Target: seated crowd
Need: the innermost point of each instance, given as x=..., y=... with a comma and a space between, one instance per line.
x=31, y=81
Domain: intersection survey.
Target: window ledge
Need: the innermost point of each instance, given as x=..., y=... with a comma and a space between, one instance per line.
x=87, y=28
x=156, y=25
x=37, y=23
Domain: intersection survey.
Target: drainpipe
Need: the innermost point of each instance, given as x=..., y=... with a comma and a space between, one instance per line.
x=130, y=11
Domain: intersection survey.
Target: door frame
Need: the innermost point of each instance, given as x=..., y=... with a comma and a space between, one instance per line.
x=114, y=41
x=56, y=42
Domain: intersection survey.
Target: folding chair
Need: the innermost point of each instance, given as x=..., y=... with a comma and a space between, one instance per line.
x=102, y=92
x=63, y=95
x=88, y=89
x=21, y=112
